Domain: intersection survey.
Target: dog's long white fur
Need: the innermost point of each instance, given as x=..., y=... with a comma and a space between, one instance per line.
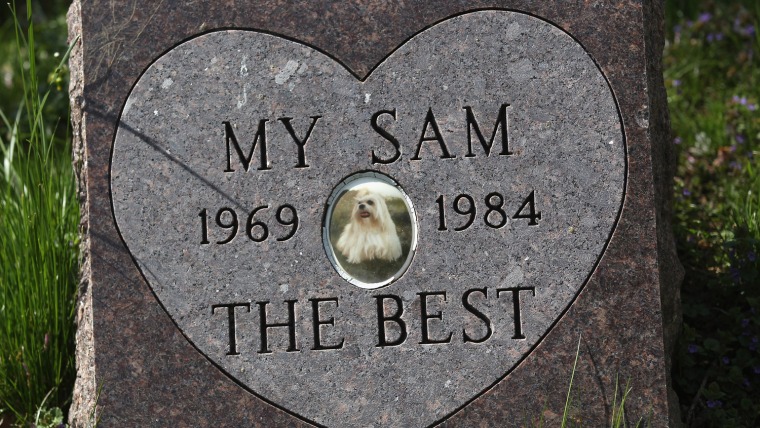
x=372, y=237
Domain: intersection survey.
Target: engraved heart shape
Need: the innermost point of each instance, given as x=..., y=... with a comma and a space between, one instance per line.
x=499, y=128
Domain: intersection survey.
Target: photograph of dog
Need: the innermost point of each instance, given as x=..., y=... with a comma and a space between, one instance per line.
x=371, y=231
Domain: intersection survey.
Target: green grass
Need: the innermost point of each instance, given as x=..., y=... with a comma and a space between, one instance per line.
x=39, y=214
x=572, y=416
x=712, y=64
x=569, y=397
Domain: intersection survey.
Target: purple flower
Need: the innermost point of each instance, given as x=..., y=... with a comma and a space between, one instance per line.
x=751, y=256
x=745, y=322
x=714, y=403
x=677, y=29
x=752, y=107
x=735, y=98
x=686, y=192
x=725, y=360
x=746, y=382
x=756, y=369
x=710, y=38
x=749, y=30
x=719, y=36
x=677, y=140
x=740, y=138
x=736, y=275
x=743, y=101
x=704, y=17
x=676, y=83
x=693, y=349
x=735, y=165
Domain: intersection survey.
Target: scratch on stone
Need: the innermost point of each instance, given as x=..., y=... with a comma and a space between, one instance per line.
x=515, y=277
x=286, y=72
x=244, y=101
x=243, y=68
x=114, y=39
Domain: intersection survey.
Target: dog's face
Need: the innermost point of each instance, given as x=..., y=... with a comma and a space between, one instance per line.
x=368, y=207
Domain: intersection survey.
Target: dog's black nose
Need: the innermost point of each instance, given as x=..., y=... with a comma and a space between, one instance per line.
x=361, y=206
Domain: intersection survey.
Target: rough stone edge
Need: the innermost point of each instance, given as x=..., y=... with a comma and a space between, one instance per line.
x=82, y=410
x=671, y=271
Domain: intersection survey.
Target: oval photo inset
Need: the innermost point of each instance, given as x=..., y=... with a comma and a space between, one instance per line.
x=369, y=230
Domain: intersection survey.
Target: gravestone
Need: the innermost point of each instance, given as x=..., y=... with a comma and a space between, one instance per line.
x=367, y=214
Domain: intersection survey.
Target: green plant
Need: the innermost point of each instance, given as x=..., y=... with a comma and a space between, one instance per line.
x=49, y=418
x=569, y=397
x=38, y=245
x=712, y=75
x=617, y=419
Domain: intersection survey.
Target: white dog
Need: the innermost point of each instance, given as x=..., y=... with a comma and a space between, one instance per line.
x=371, y=233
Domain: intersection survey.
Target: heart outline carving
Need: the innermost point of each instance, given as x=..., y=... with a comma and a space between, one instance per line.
x=132, y=123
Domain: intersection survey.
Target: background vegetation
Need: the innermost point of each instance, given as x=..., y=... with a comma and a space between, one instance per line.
x=712, y=74
x=38, y=219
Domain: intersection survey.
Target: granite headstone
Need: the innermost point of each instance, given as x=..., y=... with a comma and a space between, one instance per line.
x=365, y=214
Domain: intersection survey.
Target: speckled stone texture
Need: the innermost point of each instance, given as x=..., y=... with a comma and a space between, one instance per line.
x=160, y=359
